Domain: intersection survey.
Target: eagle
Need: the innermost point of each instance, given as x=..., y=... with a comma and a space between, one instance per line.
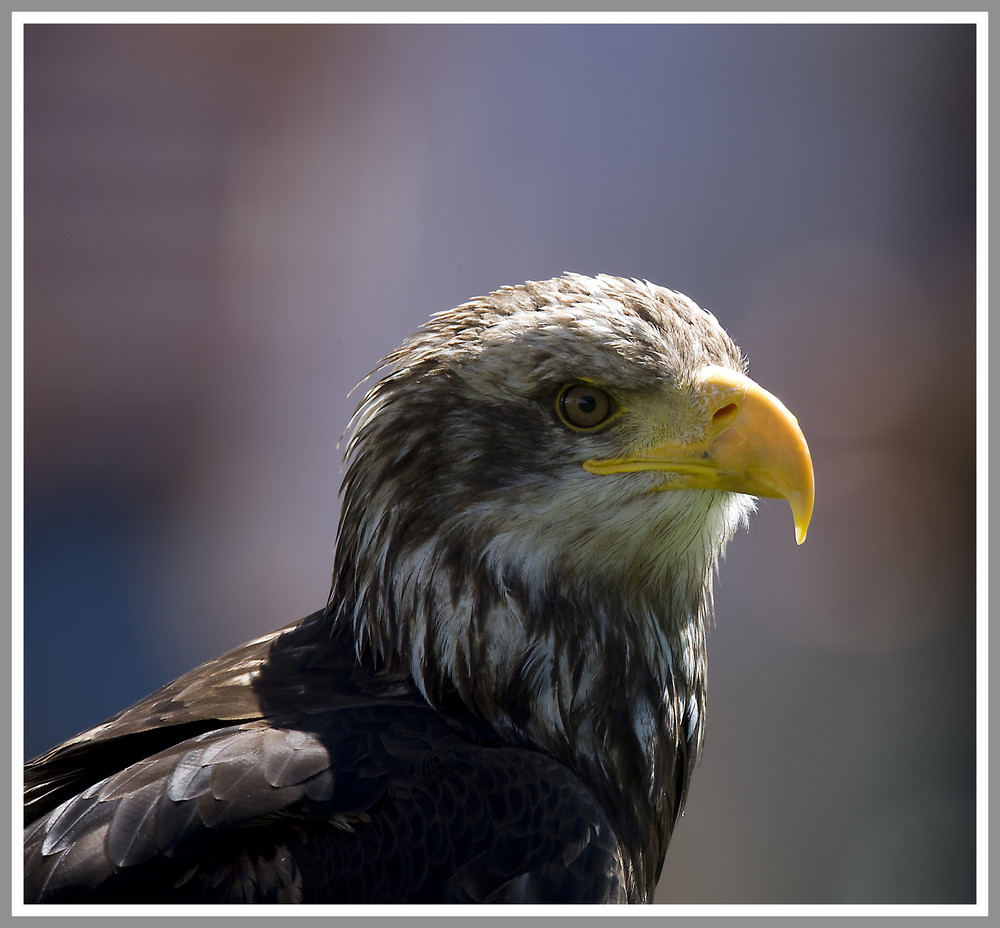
x=505, y=694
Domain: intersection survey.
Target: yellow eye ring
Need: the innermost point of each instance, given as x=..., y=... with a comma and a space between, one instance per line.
x=584, y=407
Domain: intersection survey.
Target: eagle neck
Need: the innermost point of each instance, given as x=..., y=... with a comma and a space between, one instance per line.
x=613, y=688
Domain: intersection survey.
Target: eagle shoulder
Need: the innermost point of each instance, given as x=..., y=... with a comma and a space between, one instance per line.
x=337, y=787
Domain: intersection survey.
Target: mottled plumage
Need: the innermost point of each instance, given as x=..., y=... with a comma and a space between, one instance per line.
x=505, y=695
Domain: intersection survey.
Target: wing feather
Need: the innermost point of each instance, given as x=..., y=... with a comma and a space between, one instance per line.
x=357, y=791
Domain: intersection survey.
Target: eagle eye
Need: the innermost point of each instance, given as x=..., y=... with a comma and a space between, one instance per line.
x=582, y=406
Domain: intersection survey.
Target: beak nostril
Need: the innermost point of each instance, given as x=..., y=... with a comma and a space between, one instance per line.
x=725, y=414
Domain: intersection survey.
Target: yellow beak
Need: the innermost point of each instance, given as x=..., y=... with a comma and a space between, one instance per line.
x=751, y=444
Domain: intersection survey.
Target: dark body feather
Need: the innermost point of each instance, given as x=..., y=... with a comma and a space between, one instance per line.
x=334, y=785
x=504, y=697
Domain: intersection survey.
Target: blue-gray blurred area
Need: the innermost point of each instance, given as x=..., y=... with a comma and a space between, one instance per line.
x=228, y=226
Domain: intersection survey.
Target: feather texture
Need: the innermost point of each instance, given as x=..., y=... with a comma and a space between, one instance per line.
x=504, y=697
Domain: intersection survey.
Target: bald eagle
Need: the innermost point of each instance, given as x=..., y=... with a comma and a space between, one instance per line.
x=504, y=697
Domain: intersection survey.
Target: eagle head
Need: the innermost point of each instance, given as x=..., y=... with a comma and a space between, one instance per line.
x=539, y=488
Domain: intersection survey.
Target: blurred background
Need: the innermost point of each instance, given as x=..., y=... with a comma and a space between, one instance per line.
x=228, y=226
